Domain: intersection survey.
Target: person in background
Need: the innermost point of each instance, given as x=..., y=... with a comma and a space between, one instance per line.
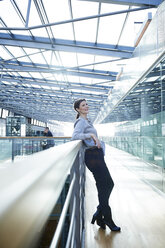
x=94, y=160
x=49, y=142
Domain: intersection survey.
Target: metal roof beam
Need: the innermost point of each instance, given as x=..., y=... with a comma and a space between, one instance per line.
x=68, y=87
x=58, y=69
x=66, y=45
x=153, y=3
x=32, y=104
x=45, y=90
x=53, y=94
x=11, y=93
x=44, y=99
x=76, y=19
x=52, y=83
x=60, y=105
x=88, y=73
x=16, y=105
x=37, y=110
x=34, y=112
x=41, y=107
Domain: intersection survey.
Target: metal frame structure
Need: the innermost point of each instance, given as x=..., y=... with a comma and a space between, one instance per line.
x=130, y=2
x=149, y=92
x=44, y=88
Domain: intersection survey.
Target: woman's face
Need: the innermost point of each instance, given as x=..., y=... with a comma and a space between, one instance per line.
x=83, y=108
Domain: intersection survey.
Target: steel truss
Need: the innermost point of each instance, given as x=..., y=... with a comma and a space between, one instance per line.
x=47, y=90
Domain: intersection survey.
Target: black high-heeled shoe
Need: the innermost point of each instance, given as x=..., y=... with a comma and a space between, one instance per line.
x=112, y=226
x=98, y=218
x=108, y=220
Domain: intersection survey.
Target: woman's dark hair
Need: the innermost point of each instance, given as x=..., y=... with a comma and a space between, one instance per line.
x=77, y=105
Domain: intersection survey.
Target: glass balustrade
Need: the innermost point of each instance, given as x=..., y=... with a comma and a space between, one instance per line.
x=150, y=150
x=16, y=148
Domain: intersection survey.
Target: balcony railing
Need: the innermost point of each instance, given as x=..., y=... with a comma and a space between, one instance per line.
x=12, y=147
x=151, y=152
x=29, y=191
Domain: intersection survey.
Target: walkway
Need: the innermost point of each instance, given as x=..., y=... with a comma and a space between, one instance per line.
x=137, y=208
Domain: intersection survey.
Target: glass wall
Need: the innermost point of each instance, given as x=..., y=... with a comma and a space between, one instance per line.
x=16, y=148
x=144, y=137
x=2, y=127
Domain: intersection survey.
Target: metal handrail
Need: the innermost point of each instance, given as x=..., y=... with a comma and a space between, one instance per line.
x=56, y=237
x=29, y=191
x=35, y=137
x=71, y=224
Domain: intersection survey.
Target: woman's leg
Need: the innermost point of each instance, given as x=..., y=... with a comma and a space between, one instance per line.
x=104, y=184
x=94, y=160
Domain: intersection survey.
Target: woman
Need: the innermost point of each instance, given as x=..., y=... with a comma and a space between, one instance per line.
x=94, y=160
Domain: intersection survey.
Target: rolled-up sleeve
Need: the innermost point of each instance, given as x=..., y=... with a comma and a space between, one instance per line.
x=78, y=133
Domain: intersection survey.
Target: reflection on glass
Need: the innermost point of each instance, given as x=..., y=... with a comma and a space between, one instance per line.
x=142, y=131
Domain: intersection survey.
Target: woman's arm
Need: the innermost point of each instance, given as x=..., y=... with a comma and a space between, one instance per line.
x=78, y=133
x=96, y=140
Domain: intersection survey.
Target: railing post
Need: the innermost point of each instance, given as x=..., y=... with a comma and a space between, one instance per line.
x=78, y=193
x=12, y=150
x=82, y=194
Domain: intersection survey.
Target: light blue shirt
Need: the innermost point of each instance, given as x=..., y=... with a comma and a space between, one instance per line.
x=83, y=129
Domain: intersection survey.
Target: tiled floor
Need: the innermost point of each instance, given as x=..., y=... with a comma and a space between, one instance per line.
x=136, y=206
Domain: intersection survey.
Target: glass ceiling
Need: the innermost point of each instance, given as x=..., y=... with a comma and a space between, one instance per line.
x=53, y=52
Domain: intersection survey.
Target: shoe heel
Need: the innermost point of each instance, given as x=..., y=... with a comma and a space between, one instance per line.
x=93, y=220
x=113, y=227
x=101, y=224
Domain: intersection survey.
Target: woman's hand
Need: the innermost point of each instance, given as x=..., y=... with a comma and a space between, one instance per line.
x=96, y=140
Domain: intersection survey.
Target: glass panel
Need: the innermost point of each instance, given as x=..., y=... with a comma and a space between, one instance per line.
x=66, y=58
x=6, y=12
x=4, y=54
x=110, y=27
x=144, y=136
x=16, y=51
x=57, y=10
x=6, y=150
x=83, y=59
x=38, y=58
x=86, y=30
x=22, y=5
x=131, y=28
x=18, y=148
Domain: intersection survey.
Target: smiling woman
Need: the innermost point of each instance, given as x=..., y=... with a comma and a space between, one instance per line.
x=94, y=160
x=81, y=107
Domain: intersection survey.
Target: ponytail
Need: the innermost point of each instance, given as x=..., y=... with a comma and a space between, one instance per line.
x=77, y=116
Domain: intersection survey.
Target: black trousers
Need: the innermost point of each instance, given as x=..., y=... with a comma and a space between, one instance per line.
x=94, y=160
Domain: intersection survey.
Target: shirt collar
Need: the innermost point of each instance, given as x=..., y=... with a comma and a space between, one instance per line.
x=80, y=117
